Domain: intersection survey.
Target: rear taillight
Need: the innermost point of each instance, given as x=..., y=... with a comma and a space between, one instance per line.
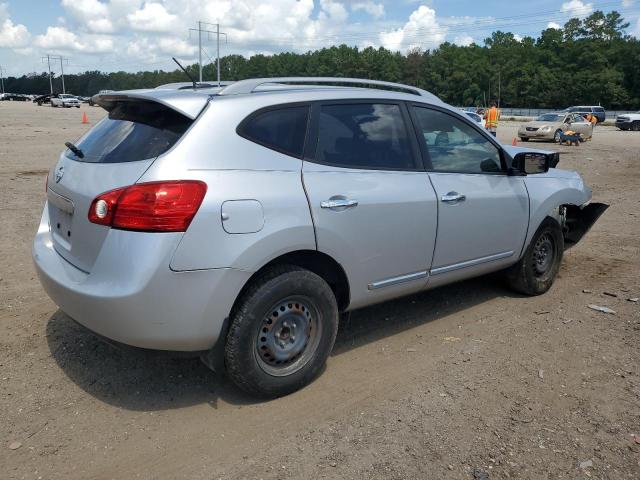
x=149, y=207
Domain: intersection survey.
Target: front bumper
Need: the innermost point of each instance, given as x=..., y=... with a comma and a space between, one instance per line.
x=626, y=125
x=522, y=133
x=133, y=297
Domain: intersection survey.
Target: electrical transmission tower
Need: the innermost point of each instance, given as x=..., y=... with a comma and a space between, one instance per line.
x=62, y=60
x=217, y=33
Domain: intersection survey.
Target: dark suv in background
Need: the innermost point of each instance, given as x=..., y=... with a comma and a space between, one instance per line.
x=598, y=111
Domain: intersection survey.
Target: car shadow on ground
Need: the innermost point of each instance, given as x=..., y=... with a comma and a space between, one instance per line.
x=142, y=380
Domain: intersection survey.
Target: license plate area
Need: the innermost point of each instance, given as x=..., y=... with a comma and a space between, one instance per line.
x=61, y=219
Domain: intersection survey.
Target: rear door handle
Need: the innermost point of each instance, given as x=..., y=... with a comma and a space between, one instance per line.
x=339, y=203
x=453, y=197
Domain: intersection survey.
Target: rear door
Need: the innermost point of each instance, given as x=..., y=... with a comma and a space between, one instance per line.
x=373, y=207
x=115, y=153
x=483, y=213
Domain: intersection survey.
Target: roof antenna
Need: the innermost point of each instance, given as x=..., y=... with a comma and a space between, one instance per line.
x=186, y=73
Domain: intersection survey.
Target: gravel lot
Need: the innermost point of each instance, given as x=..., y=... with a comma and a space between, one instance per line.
x=468, y=378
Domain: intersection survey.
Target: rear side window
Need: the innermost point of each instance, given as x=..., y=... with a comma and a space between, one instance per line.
x=598, y=109
x=364, y=135
x=281, y=129
x=132, y=131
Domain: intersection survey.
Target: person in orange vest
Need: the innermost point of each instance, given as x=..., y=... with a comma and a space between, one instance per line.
x=491, y=118
x=592, y=118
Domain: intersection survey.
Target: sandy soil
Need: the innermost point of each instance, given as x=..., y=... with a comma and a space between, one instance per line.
x=459, y=382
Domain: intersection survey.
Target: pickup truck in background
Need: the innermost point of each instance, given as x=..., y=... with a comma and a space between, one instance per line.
x=629, y=121
x=65, y=100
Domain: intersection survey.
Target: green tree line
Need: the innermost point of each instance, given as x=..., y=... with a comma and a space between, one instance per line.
x=590, y=61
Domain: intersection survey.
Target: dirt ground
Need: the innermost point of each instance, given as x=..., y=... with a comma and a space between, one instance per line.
x=467, y=381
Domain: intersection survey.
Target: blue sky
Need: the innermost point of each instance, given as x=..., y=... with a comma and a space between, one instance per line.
x=144, y=34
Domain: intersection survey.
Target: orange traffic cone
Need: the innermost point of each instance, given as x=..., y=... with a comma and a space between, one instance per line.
x=514, y=143
x=85, y=120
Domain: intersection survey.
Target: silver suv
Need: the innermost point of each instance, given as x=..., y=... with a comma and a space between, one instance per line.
x=238, y=223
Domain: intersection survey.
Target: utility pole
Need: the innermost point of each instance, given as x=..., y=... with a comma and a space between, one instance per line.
x=62, y=75
x=217, y=32
x=48, y=57
x=2, y=79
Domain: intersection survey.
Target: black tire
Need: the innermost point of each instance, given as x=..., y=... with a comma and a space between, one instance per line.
x=635, y=126
x=259, y=333
x=524, y=139
x=556, y=136
x=535, y=272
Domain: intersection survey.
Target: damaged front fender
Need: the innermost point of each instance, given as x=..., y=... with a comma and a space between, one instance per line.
x=579, y=220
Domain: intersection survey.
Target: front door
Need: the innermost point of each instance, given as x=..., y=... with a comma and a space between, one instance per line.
x=483, y=213
x=373, y=207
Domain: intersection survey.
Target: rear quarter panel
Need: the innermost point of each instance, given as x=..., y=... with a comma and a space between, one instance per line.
x=236, y=169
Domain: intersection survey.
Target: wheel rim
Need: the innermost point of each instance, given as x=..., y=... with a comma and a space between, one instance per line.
x=288, y=336
x=544, y=253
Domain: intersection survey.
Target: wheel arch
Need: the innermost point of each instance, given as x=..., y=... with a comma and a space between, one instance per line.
x=323, y=265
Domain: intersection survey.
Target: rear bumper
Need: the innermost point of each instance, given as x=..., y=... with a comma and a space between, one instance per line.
x=133, y=297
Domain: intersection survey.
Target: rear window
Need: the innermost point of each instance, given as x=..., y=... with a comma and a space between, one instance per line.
x=132, y=131
x=282, y=129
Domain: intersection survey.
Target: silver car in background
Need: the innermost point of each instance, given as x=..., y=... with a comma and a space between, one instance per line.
x=239, y=223
x=549, y=126
x=65, y=100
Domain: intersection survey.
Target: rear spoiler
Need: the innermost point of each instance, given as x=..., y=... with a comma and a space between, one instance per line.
x=186, y=103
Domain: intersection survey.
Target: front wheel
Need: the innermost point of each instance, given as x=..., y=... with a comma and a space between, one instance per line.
x=537, y=269
x=524, y=139
x=281, y=332
x=635, y=126
x=556, y=136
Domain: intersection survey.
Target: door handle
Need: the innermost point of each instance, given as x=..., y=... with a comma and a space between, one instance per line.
x=453, y=197
x=339, y=203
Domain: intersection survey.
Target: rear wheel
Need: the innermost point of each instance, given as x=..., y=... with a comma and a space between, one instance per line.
x=281, y=332
x=537, y=269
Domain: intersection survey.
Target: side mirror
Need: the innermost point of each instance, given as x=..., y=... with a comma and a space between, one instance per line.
x=532, y=163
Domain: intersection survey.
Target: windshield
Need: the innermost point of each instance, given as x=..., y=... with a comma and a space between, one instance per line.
x=550, y=117
x=133, y=130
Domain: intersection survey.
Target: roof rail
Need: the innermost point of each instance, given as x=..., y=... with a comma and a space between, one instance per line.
x=249, y=85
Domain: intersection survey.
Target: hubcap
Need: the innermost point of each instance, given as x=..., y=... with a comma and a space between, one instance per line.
x=288, y=337
x=543, y=254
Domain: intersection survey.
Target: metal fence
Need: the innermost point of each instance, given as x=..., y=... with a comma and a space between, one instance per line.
x=534, y=112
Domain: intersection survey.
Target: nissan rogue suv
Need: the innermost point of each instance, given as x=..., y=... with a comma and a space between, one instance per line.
x=238, y=223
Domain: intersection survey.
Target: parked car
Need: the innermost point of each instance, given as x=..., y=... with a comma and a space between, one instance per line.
x=65, y=100
x=549, y=126
x=475, y=118
x=14, y=97
x=40, y=99
x=629, y=121
x=595, y=110
x=239, y=225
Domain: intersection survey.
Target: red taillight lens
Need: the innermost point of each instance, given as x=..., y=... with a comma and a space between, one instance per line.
x=149, y=207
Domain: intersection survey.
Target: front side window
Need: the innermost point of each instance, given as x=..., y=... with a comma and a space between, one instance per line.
x=455, y=146
x=281, y=129
x=364, y=135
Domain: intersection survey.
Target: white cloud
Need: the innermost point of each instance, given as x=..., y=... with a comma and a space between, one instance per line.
x=421, y=31
x=555, y=25
x=463, y=40
x=627, y=3
x=577, y=8
x=372, y=8
x=93, y=15
x=152, y=18
x=11, y=35
x=636, y=30
x=61, y=39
